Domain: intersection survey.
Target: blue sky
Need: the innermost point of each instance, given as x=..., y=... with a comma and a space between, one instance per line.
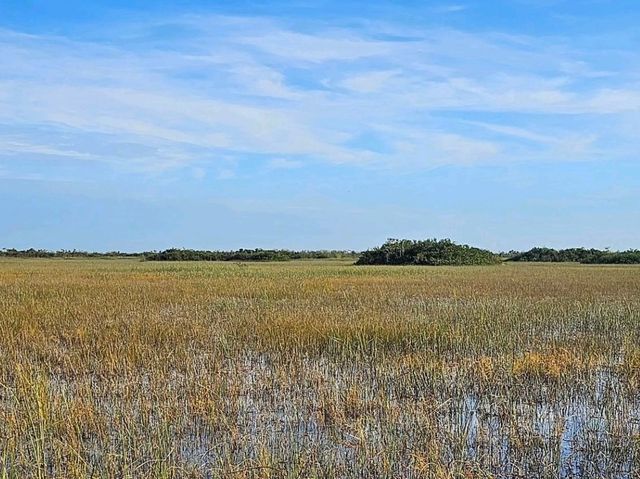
x=146, y=125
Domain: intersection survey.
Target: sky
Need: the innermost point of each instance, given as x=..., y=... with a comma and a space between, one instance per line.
x=143, y=125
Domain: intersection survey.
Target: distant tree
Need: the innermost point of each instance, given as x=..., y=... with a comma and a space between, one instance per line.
x=430, y=252
x=578, y=255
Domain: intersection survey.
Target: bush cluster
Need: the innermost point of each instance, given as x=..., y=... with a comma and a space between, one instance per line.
x=430, y=252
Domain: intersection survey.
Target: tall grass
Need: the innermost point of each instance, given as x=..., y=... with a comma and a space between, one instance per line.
x=318, y=369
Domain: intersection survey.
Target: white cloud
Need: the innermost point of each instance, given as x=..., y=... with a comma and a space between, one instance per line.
x=19, y=147
x=369, y=82
x=295, y=95
x=316, y=48
x=517, y=132
x=284, y=164
x=450, y=8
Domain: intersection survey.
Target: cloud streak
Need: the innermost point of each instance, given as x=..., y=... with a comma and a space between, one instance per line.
x=355, y=96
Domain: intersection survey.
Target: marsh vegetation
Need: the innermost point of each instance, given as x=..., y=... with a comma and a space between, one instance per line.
x=318, y=370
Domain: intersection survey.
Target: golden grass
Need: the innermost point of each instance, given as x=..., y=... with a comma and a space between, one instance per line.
x=119, y=368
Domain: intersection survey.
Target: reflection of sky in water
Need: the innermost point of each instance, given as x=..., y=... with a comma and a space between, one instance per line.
x=591, y=434
x=578, y=430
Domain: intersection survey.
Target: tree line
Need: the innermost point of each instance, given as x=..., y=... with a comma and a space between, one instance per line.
x=577, y=255
x=431, y=252
x=43, y=253
x=177, y=254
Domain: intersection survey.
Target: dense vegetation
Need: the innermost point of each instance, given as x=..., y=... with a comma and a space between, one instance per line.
x=245, y=255
x=175, y=254
x=578, y=255
x=43, y=253
x=615, y=257
x=393, y=252
x=431, y=252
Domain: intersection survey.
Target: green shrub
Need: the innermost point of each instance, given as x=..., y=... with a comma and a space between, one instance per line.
x=430, y=252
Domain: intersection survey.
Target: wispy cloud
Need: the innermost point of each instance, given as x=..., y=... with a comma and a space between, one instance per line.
x=284, y=164
x=232, y=87
x=450, y=8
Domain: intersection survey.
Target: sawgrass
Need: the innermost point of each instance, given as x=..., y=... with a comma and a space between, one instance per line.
x=120, y=368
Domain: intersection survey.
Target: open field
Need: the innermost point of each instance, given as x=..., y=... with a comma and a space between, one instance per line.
x=120, y=368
